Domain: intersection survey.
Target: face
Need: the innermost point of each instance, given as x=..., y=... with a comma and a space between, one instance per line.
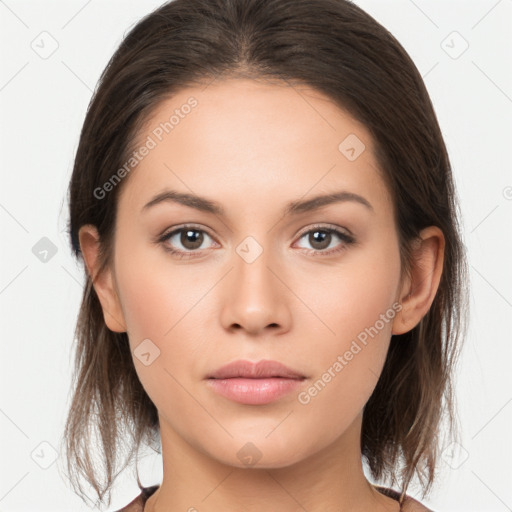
x=313, y=286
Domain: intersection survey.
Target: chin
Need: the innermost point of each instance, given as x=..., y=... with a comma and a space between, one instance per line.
x=260, y=452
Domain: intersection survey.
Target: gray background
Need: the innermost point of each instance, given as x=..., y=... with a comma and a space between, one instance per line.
x=462, y=49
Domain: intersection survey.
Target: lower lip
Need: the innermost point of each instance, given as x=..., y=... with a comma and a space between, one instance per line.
x=254, y=391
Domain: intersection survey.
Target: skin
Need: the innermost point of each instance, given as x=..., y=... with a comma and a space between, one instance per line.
x=253, y=147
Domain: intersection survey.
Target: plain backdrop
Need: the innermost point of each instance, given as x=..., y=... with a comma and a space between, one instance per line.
x=52, y=54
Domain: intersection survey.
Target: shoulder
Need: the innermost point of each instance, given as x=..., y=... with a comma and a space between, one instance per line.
x=409, y=505
x=412, y=505
x=137, y=504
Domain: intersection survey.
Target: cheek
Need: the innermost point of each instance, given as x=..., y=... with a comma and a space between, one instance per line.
x=348, y=299
x=161, y=302
x=155, y=292
x=354, y=332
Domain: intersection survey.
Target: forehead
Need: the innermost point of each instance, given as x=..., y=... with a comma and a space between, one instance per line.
x=253, y=140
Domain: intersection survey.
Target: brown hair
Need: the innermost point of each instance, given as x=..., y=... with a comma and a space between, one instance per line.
x=338, y=49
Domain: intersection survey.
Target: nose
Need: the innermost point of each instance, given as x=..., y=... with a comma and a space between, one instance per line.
x=255, y=297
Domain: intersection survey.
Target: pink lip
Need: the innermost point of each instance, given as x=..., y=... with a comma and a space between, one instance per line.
x=254, y=383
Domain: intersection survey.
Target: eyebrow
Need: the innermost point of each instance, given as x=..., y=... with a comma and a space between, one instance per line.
x=293, y=208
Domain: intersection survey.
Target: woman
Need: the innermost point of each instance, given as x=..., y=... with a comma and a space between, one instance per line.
x=264, y=205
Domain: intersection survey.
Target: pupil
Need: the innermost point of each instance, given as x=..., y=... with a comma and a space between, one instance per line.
x=191, y=237
x=323, y=237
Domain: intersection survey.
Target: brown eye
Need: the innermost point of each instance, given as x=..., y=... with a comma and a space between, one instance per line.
x=187, y=239
x=319, y=239
x=191, y=238
x=322, y=238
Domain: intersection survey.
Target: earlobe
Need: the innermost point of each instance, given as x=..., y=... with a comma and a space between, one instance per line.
x=103, y=282
x=419, y=291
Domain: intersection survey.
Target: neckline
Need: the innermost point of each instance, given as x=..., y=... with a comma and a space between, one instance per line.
x=147, y=492
x=390, y=493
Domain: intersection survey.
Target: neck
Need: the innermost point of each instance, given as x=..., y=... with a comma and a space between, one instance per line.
x=331, y=479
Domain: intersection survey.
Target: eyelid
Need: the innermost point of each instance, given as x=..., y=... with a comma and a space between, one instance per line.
x=344, y=234
x=325, y=226
x=181, y=227
x=307, y=229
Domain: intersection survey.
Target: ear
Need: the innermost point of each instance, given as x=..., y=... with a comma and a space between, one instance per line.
x=419, y=290
x=104, y=283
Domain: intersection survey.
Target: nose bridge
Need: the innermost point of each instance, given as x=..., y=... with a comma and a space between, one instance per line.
x=255, y=297
x=252, y=266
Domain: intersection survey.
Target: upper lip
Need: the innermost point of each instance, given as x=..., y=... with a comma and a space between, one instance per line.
x=260, y=370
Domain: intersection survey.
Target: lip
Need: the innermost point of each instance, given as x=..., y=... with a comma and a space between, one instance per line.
x=260, y=370
x=254, y=383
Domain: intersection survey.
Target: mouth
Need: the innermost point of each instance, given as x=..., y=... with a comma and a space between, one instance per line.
x=254, y=383
x=261, y=370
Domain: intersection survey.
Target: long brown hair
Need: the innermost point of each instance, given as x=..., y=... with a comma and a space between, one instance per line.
x=338, y=49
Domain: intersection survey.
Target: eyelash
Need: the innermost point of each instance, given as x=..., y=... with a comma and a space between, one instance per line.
x=347, y=239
